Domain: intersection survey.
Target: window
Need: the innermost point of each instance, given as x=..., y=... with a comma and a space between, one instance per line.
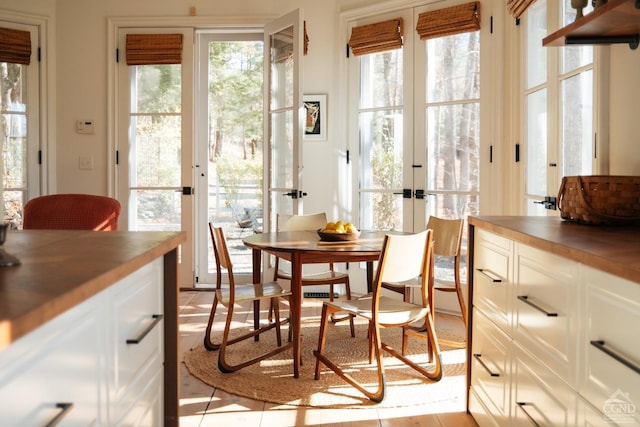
x=558, y=102
x=19, y=119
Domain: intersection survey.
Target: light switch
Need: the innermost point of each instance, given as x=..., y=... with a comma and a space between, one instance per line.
x=85, y=126
x=85, y=163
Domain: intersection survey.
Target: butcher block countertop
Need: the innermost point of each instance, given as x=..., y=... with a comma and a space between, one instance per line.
x=60, y=269
x=613, y=249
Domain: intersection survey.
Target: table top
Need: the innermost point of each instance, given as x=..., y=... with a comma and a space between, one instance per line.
x=60, y=269
x=368, y=243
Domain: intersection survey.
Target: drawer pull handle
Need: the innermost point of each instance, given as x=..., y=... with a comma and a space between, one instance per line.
x=600, y=345
x=156, y=319
x=478, y=357
x=65, y=408
x=522, y=405
x=494, y=278
x=525, y=299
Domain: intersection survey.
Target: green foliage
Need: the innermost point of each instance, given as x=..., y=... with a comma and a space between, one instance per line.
x=234, y=173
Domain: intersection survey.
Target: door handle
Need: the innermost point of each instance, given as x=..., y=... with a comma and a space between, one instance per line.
x=293, y=193
x=187, y=191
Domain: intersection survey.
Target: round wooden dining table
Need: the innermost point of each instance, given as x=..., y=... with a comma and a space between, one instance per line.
x=305, y=247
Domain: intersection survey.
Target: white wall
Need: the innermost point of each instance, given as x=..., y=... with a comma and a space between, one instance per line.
x=624, y=111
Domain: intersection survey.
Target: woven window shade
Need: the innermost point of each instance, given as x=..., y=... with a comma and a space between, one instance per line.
x=377, y=37
x=518, y=7
x=449, y=21
x=153, y=49
x=15, y=46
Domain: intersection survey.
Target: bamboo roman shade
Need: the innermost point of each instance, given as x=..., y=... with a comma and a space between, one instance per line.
x=154, y=49
x=449, y=21
x=517, y=7
x=377, y=37
x=15, y=46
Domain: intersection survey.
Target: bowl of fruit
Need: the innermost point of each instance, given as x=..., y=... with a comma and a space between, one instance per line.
x=338, y=231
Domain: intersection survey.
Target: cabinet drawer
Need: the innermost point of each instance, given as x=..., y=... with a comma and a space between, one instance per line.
x=54, y=367
x=540, y=397
x=611, y=342
x=138, y=335
x=546, y=309
x=143, y=405
x=592, y=417
x=492, y=274
x=490, y=364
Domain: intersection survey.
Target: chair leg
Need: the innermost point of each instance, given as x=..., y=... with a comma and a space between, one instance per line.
x=224, y=366
x=208, y=342
x=432, y=340
x=463, y=308
x=375, y=396
x=333, y=319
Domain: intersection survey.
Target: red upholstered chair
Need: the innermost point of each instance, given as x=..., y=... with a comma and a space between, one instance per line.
x=71, y=212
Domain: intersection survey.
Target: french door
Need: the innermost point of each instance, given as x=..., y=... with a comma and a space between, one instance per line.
x=154, y=149
x=420, y=142
x=559, y=108
x=417, y=111
x=283, y=116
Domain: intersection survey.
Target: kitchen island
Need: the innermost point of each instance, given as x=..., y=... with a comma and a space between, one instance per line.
x=89, y=328
x=551, y=337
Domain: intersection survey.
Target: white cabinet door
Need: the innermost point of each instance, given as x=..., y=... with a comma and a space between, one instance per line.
x=610, y=345
x=137, y=338
x=492, y=277
x=491, y=367
x=56, y=372
x=546, y=309
x=540, y=397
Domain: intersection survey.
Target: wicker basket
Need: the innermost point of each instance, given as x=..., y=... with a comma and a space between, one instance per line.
x=600, y=199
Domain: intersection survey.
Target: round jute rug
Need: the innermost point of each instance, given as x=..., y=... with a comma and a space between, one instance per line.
x=272, y=380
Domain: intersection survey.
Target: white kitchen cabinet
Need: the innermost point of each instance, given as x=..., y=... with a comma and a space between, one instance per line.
x=610, y=340
x=559, y=345
x=540, y=397
x=79, y=366
x=56, y=371
x=491, y=365
x=546, y=309
x=493, y=271
x=137, y=339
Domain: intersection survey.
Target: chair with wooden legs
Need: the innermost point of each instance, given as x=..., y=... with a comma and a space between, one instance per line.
x=234, y=294
x=403, y=257
x=447, y=236
x=330, y=277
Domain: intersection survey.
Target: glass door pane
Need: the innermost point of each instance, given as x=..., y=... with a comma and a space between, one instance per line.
x=283, y=114
x=230, y=139
x=155, y=147
x=381, y=131
x=452, y=114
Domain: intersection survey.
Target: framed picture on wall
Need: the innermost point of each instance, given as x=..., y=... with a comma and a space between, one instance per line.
x=315, y=128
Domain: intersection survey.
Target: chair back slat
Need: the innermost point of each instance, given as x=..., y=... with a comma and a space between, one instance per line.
x=447, y=235
x=310, y=222
x=220, y=249
x=404, y=257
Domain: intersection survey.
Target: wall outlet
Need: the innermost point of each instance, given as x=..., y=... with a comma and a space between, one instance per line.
x=85, y=126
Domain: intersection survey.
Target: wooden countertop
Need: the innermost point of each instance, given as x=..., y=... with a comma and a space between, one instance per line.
x=613, y=249
x=60, y=269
